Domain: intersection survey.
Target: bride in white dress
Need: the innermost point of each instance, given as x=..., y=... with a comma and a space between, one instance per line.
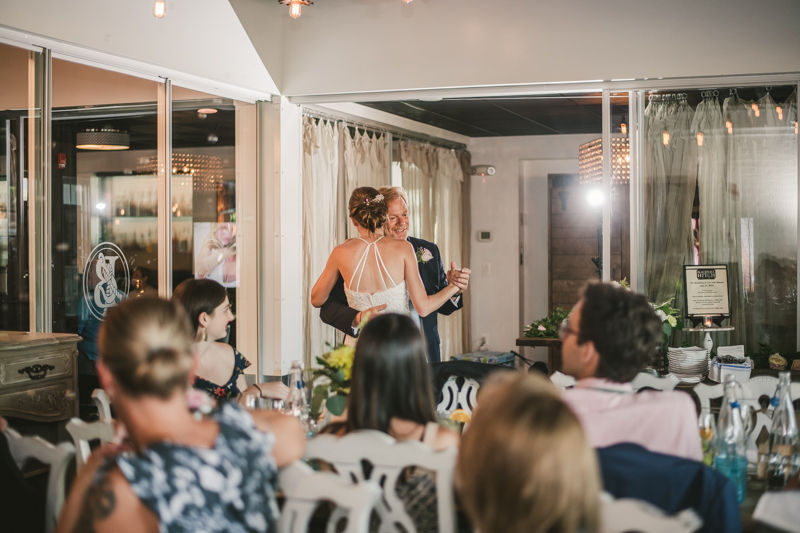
x=377, y=270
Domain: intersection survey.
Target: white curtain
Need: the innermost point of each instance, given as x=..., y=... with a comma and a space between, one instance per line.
x=320, y=183
x=418, y=164
x=432, y=179
x=745, y=176
x=366, y=164
x=447, y=235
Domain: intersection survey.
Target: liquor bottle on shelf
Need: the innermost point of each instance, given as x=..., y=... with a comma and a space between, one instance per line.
x=784, y=440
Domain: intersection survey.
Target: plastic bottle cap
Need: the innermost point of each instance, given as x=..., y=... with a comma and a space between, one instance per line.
x=735, y=404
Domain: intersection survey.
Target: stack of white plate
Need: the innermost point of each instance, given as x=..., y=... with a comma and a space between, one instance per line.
x=690, y=365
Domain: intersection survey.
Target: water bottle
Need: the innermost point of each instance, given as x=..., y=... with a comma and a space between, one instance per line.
x=708, y=430
x=783, y=436
x=731, y=459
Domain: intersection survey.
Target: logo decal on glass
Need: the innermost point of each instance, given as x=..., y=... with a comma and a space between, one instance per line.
x=104, y=268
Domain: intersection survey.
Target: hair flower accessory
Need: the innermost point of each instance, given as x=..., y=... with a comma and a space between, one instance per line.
x=378, y=198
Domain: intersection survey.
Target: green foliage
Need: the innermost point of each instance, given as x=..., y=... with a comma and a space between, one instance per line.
x=548, y=326
x=761, y=357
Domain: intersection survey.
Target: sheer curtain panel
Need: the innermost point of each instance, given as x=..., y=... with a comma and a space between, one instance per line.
x=366, y=163
x=320, y=213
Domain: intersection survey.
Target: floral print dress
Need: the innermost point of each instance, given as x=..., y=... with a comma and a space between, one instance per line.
x=228, y=390
x=227, y=488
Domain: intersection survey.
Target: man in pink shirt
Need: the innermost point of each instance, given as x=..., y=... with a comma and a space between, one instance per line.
x=610, y=335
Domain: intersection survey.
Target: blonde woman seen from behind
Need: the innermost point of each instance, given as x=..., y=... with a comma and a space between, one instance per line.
x=525, y=464
x=215, y=474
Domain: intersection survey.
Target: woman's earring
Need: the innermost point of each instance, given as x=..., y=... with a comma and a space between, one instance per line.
x=204, y=336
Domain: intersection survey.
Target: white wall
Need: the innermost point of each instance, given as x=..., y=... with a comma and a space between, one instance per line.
x=376, y=45
x=199, y=37
x=495, y=206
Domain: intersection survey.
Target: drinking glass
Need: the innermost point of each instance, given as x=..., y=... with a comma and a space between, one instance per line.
x=708, y=428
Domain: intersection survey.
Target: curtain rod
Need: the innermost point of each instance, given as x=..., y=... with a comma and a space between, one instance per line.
x=441, y=143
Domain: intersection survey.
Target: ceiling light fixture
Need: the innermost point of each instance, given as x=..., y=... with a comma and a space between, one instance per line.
x=103, y=139
x=295, y=6
x=160, y=9
x=407, y=1
x=207, y=110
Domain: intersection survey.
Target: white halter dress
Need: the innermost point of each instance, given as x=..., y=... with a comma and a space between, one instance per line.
x=395, y=297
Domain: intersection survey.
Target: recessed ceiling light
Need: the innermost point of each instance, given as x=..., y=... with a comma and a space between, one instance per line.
x=207, y=111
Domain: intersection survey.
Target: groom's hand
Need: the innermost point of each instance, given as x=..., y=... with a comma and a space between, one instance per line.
x=372, y=311
x=458, y=277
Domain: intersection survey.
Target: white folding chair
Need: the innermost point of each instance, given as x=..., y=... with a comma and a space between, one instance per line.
x=57, y=457
x=665, y=383
x=453, y=397
x=305, y=488
x=626, y=514
x=103, y=403
x=82, y=433
x=389, y=458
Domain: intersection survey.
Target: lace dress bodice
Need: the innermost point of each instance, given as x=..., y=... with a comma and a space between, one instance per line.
x=395, y=297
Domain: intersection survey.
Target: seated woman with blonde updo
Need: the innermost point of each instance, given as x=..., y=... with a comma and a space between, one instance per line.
x=377, y=270
x=220, y=367
x=216, y=474
x=525, y=464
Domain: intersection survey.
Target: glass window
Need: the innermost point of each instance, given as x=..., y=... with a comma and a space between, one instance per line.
x=15, y=64
x=104, y=200
x=720, y=178
x=204, y=221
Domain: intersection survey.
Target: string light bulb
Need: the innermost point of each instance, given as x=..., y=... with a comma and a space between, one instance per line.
x=160, y=9
x=729, y=127
x=295, y=6
x=699, y=138
x=779, y=110
x=756, y=110
x=623, y=128
x=665, y=137
x=407, y=1
x=795, y=127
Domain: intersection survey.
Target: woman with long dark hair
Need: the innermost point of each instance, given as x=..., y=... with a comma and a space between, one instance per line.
x=220, y=368
x=391, y=391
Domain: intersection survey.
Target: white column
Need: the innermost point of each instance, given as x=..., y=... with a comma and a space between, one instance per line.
x=280, y=236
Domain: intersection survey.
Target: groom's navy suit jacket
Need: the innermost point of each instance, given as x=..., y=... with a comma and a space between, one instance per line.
x=335, y=312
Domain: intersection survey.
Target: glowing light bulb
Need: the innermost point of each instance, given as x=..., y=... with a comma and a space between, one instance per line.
x=160, y=9
x=756, y=110
x=795, y=127
x=779, y=110
x=729, y=126
x=665, y=137
x=407, y=1
x=623, y=128
x=294, y=9
x=699, y=138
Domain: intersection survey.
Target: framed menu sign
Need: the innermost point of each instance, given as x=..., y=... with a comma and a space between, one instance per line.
x=706, y=288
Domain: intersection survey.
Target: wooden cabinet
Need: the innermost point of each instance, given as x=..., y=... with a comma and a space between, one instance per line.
x=39, y=375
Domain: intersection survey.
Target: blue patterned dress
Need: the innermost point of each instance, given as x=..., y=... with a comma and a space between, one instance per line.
x=227, y=488
x=228, y=390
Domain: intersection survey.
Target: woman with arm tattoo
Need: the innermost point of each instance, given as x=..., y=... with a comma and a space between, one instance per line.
x=182, y=475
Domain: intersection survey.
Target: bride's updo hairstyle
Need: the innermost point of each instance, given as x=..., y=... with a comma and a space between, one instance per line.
x=146, y=345
x=368, y=208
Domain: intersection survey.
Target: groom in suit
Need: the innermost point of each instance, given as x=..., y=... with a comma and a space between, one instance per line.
x=335, y=312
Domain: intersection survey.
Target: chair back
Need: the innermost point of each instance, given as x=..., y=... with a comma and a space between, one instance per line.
x=304, y=489
x=626, y=514
x=455, y=397
x=389, y=458
x=103, y=403
x=82, y=433
x=643, y=379
x=752, y=389
x=57, y=457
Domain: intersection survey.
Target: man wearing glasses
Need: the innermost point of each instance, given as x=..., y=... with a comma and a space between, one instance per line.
x=610, y=336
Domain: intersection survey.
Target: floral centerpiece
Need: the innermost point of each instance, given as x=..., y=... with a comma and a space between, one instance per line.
x=669, y=320
x=336, y=365
x=548, y=326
